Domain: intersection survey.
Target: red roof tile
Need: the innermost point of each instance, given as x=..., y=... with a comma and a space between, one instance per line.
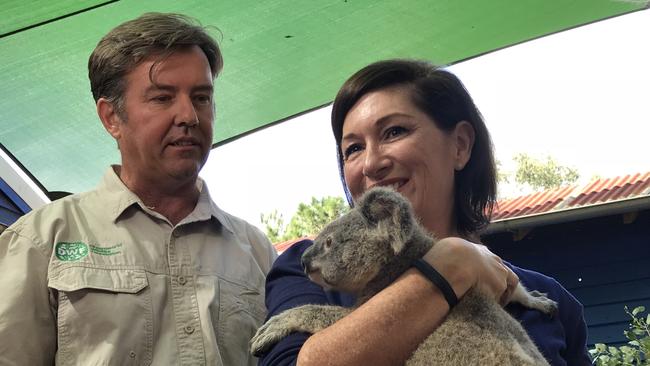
x=284, y=245
x=613, y=189
x=598, y=191
x=531, y=204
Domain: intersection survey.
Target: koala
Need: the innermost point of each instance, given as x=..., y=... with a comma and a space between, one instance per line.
x=368, y=248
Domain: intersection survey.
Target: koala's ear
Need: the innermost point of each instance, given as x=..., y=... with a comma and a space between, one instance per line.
x=390, y=211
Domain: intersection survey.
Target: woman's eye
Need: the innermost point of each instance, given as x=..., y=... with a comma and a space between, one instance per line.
x=394, y=131
x=351, y=150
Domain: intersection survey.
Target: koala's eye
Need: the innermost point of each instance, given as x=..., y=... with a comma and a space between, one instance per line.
x=328, y=242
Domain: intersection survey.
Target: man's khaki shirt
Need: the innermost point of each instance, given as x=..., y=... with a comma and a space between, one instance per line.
x=100, y=279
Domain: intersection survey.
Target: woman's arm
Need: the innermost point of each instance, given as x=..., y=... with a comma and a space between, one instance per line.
x=387, y=328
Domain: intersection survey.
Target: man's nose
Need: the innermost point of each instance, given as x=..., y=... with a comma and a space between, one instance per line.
x=186, y=113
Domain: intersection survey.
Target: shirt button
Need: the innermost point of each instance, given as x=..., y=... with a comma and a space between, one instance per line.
x=176, y=233
x=182, y=280
x=189, y=329
x=132, y=354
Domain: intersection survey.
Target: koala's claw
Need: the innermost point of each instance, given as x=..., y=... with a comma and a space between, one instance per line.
x=543, y=303
x=268, y=335
x=305, y=318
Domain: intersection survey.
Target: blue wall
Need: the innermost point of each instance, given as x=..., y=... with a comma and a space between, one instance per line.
x=603, y=262
x=11, y=205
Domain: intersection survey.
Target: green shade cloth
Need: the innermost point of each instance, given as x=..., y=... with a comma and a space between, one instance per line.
x=282, y=57
x=16, y=15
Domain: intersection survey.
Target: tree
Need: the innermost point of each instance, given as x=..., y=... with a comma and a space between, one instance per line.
x=274, y=223
x=502, y=176
x=309, y=219
x=543, y=174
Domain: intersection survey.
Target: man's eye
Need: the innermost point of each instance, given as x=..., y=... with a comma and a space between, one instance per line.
x=351, y=150
x=161, y=98
x=203, y=99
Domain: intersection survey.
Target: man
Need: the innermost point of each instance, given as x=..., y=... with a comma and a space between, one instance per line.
x=145, y=269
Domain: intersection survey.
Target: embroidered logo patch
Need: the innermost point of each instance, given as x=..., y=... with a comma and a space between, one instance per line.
x=115, y=249
x=71, y=251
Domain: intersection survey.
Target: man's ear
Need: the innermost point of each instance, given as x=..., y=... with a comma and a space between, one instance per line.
x=110, y=117
x=464, y=142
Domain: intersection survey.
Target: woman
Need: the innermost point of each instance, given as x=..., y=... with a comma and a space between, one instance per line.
x=412, y=126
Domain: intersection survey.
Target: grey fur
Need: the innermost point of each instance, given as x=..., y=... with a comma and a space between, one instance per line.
x=367, y=249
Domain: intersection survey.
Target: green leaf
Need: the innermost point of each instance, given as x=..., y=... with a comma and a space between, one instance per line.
x=638, y=309
x=601, y=347
x=604, y=358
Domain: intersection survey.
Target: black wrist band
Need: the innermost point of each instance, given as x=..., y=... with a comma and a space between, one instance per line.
x=437, y=279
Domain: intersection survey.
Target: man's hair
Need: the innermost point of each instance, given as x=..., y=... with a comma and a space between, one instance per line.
x=442, y=97
x=132, y=42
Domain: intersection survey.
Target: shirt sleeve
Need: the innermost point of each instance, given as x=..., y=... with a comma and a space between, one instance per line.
x=27, y=321
x=561, y=338
x=576, y=331
x=287, y=286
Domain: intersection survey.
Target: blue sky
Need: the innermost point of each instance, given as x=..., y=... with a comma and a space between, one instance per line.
x=580, y=96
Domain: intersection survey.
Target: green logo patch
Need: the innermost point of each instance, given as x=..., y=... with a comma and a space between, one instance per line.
x=71, y=251
x=115, y=249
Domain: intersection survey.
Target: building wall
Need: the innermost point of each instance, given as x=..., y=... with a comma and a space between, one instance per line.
x=9, y=210
x=604, y=262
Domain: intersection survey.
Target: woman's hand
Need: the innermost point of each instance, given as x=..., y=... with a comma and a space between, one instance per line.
x=466, y=265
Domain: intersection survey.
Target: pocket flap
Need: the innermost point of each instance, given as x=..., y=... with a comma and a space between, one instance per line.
x=73, y=278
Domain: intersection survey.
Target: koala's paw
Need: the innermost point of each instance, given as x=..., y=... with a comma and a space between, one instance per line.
x=268, y=335
x=542, y=303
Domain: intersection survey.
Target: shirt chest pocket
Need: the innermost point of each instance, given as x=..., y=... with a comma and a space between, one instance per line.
x=241, y=312
x=104, y=316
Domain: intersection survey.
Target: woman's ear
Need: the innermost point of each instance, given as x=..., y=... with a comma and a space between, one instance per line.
x=464, y=139
x=110, y=117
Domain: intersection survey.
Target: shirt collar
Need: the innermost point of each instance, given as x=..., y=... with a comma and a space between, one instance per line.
x=206, y=208
x=118, y=198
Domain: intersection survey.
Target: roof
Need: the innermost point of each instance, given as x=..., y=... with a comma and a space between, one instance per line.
x=598, y=191
x=284, y=245
x=574, y=197
x=282, y=57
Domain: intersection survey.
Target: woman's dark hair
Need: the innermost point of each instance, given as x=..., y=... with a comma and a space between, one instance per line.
x=443, y=97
